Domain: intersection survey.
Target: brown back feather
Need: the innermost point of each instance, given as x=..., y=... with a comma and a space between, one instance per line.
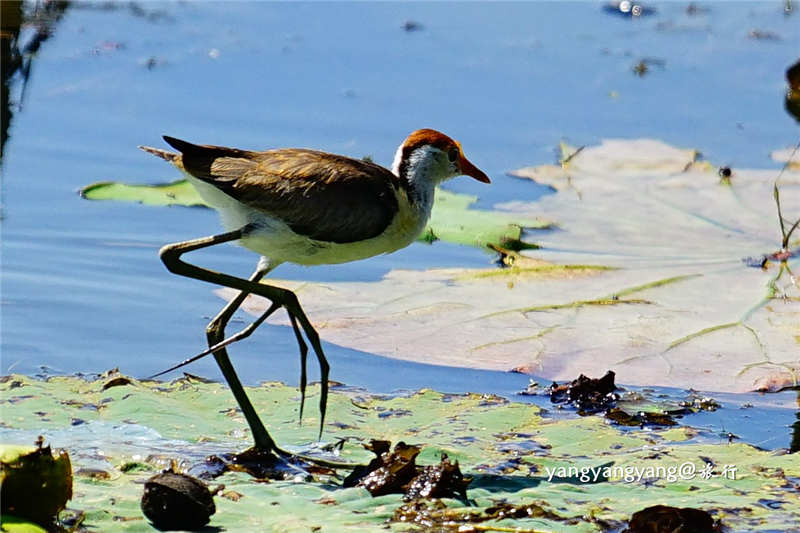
x=323, y=196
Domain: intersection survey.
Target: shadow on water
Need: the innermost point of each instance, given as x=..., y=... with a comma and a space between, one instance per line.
x=17, y=58
x=500, y=483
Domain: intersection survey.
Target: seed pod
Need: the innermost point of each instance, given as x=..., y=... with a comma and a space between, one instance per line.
x=177, y=501
x=34, y=483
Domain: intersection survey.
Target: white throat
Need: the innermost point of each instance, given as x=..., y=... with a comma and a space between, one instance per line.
x=422, y=171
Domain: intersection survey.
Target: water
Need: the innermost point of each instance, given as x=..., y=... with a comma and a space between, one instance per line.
x=82, y=287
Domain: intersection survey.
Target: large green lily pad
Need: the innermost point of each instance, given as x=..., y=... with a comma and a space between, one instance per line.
x=178, y=192
x=122, y=435
x=452, y=218
x=651, y=274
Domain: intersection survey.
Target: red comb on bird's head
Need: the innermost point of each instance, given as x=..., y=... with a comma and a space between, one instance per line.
x=429, y=137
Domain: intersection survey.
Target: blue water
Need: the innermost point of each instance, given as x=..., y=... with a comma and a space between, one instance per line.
x=82, y=287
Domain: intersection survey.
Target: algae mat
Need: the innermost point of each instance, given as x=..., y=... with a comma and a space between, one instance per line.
x=586, y=474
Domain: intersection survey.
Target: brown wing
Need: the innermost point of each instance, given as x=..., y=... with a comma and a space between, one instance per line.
x=323, y=196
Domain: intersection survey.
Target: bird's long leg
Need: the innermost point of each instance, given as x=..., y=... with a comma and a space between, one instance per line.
x=243, y=334
x=215, y=329
x=303, y=375
x=236, y=337
x=171, y=254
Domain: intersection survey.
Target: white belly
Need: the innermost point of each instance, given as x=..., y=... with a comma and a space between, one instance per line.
x=273, y=239
x=232, y=213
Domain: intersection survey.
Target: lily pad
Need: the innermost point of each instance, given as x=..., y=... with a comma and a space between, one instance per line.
x=790, y=156
x=581, y=474
x=178, y=192
x=452, y=218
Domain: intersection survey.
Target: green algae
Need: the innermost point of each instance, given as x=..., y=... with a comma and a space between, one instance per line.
x=583, y=472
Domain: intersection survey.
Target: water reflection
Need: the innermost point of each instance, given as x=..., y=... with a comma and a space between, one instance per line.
x=17, y=58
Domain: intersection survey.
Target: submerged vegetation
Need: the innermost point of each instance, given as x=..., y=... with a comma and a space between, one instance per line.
x=527, y=471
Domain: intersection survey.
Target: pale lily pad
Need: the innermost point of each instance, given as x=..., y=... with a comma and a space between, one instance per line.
x=452, y=218
x=649, y=275
x=790, y=156
x=616, y=157
x=583, y=472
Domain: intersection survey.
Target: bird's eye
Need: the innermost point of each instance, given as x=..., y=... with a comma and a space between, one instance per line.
x=453, y=154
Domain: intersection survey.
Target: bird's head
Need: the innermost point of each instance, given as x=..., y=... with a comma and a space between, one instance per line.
x=432, y=157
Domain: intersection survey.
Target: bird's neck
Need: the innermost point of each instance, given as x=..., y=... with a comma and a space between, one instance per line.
x=417, y=176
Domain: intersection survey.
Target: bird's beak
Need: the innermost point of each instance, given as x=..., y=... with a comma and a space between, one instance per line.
x=468, y=169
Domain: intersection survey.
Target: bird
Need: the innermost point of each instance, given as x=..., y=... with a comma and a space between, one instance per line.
x=306, y=207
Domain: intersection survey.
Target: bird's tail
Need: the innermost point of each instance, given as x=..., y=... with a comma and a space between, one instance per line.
x=171, y=157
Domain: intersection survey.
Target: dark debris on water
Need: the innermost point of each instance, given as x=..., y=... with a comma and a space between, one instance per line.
x=175, y=501
x=666, y=519
x=262, y=465
x=436, y=516
x=396, y=471
x=695, y=403
x=588, y=395
x=640, y=419
x=592, y=396
x=628, y=9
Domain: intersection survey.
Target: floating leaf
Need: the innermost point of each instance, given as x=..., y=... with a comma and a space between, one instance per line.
x=453, y=220
x=176, y=193
x=790, y=156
